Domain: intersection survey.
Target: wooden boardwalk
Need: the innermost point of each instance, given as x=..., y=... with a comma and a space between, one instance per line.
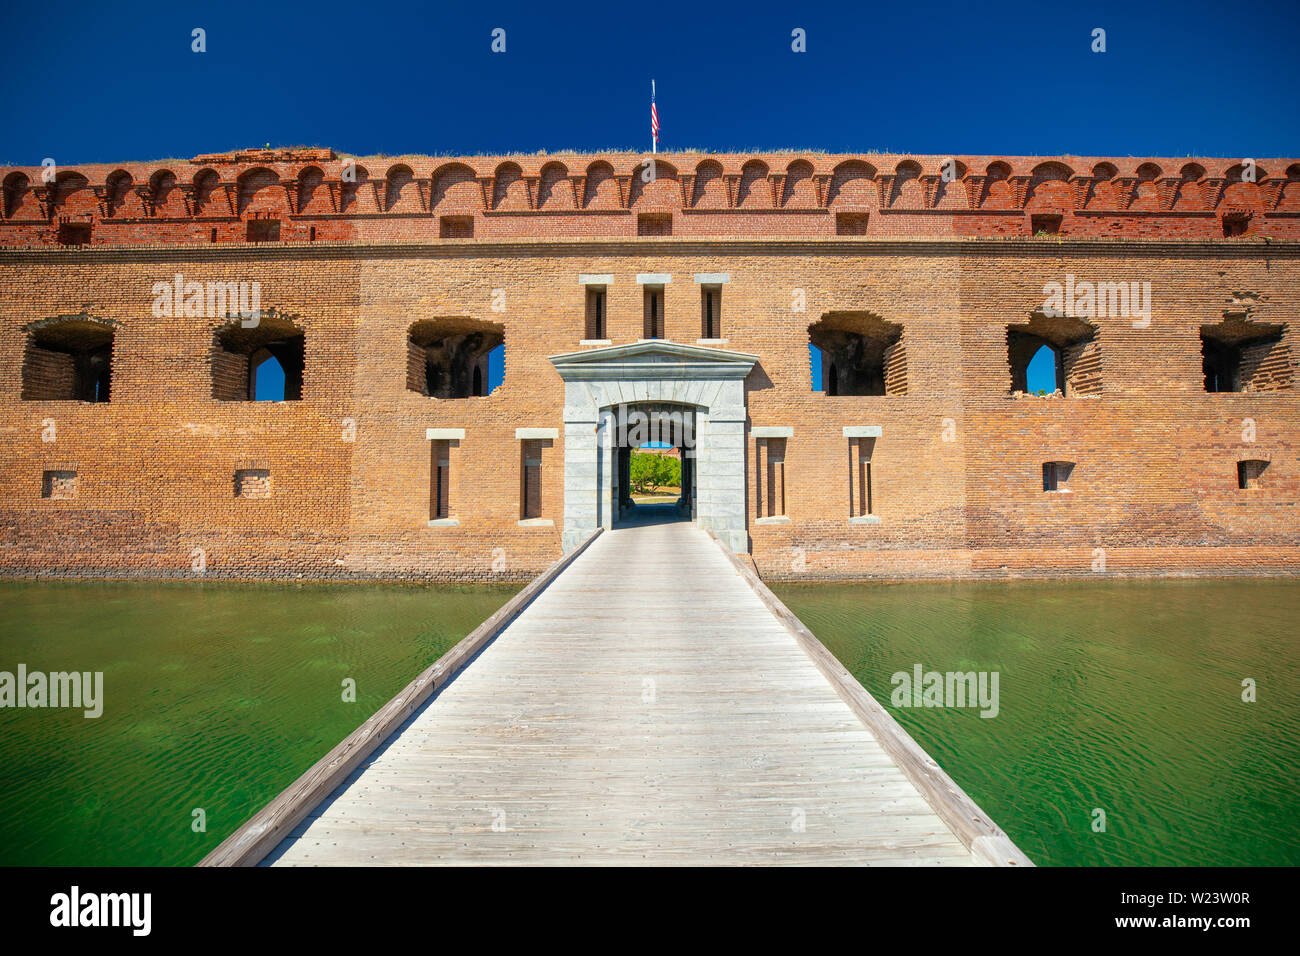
x=646, y=708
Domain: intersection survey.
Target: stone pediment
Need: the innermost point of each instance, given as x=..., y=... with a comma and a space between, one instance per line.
x=658, y=359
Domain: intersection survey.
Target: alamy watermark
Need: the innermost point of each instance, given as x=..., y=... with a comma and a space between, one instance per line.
x=38, y=689
x=1091, y=300
x=211, y=300
x=922, y=688
x=630, y=426
x=77, y=908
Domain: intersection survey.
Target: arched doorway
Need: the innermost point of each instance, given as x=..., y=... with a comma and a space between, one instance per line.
x=659, y=436
x=604, y=387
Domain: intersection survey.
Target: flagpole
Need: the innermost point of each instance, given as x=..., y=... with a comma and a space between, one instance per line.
x=654, y=135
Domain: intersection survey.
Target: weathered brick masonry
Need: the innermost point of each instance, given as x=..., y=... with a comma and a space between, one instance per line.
x=384, y=264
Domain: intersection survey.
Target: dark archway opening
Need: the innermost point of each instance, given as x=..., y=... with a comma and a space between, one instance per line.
x=68, y=360
x=654, y=464
x=455, y=358
x=1238, y=355
x=1071, y=365
x=240, y=353
x=860, y=354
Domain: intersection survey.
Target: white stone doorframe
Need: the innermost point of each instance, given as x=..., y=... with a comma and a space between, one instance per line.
x=711, y=381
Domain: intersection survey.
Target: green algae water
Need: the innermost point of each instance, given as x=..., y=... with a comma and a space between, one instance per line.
x=1123, y=696
x=216, y=697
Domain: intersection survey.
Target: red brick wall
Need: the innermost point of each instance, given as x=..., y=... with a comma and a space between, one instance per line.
x=956, y=474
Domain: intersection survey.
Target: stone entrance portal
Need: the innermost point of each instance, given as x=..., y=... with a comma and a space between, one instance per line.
x=605, y=388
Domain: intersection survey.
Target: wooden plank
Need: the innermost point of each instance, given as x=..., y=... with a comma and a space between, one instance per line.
x=251, y=842
x=611, y=723
x=986, y=841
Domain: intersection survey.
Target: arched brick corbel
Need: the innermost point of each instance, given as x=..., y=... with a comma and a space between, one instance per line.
x=531, y=183
x=487, y=186
x=975, y=184
x=1081, y=190
x=1212, y=189
x=822, y=183
x=145, y=194
x=101, y=200
x=335, y=189
x=624, y=181
x=885, y=188
x=190, y=196
x=45, y=193
x=930, y=187
x=290, y=195
x=687, y=182
x=732, y=181
x=1125, y=189
x=1019, y=190
x=778, y=188
x=232, y=196
x=1271, y=191
x=424, y=192
x=579, y=183
x=1167, y=190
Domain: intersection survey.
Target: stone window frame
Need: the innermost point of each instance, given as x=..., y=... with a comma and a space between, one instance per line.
x=654, y=286
x=591, y=282
x=862, y=497
x=711, y=282
x=770, y=481
x=541, y=439
x=449, y=439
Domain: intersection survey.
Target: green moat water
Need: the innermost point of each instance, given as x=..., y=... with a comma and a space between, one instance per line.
x=216, y=697
x=1124, y=696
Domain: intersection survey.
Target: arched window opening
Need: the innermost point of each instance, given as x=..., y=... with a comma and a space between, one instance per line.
x=263, y=362
x=455, y=357
x=1045, y=373
x=68, y=359
x=1064, y=354
x=859, y=354
x=266, y=377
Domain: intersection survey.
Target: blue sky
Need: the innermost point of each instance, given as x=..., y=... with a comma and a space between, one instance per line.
x=88, y=82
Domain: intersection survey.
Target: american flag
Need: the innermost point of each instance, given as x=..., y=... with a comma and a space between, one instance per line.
x=654, y=114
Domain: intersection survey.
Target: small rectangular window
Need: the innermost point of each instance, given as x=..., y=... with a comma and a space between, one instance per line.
x=1249, y=473
x=654, y=224
x=440, y=479
x=1044, y=225
x=771, y=477
x=710, y=312
x=253, y=483
x=595, y=312
x=851, y=223
x=74, y=233
x=59, y=484
x=860, y=493
x=654, y=312
x=263, y=230
x=530, y=477
x=1056, y=475
x=456, y=227
x=1235, y=224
